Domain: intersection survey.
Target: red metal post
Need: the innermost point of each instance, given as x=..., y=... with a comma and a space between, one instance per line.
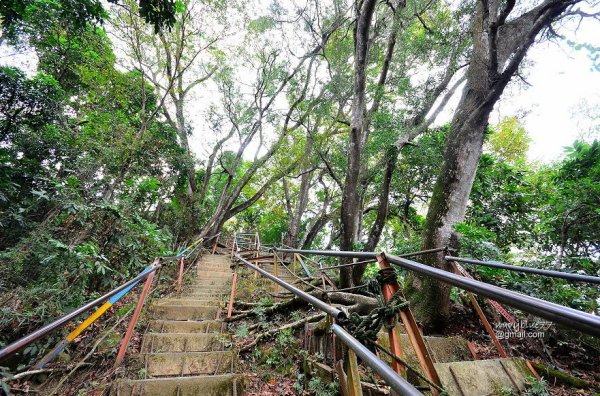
x=393, y=333
x=472, y=350
x=232, y=294
x=482, y=317
x=134, y=319
x=180, y=275
x=412, y=330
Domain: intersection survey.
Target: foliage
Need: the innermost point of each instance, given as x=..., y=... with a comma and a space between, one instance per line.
x=574, y=215
x=509, y=141
x=22, y=17
x=282, y=354
x=315, y=386
x=77, y=213
x=476, y=242
x=503, y=202
x=536, y=387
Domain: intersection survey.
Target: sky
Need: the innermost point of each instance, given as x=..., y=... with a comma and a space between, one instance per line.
x=561, y=80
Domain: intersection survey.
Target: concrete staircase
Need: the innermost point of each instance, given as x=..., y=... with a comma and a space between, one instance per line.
x=185, y=351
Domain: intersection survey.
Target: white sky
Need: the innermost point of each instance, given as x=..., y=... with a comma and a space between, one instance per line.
x=562, y=80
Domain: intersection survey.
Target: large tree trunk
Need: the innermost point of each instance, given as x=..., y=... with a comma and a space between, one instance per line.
x=295, y=213
x=498, y=49
x=184, y=142
x=350, y=210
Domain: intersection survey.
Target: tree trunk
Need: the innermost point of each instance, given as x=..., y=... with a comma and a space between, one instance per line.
x=382, y=210
x=498, y=49
x=350, y=210
x=295, y=214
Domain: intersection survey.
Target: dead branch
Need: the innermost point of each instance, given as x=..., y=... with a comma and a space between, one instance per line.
x=267, y=310
x=292, y=325
x=82, y=363
x=350, y=302
x=31, y=372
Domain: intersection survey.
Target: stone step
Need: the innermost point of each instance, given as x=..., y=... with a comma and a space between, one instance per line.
x=213, y=268
x=441, y=349
x=484, y=377
x=181, y=312
x=209, y=385
x=210, y=274
x=189, y=302
x=209, y=288
x=184, y=342
x=202, y=291
x=215, y=261
x=186, y=326
x=188, y=363
x=211, y=285
x=212, y=282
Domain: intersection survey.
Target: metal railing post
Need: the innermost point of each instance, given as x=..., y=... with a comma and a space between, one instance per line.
x=134, y=319
x=396, y=382
x=275, y=270
x=482, y=317
x=234, y=277
x=412, y=330
x=180, y=275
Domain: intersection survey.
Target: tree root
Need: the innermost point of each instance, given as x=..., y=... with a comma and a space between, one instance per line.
x=267, y=310
x=350, y=302
x=358, y=303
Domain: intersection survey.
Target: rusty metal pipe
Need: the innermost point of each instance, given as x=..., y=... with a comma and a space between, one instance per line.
x=134, y=319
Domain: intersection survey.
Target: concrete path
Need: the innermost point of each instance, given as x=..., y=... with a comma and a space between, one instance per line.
x=185, y=351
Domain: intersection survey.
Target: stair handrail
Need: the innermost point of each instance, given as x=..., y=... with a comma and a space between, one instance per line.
x=21, y=343
x=530, y=270
x=568, y=317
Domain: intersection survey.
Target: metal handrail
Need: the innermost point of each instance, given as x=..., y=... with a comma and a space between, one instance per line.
x=28, y=339
x=396, y=382
x=565, y=316
x=536, y=271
